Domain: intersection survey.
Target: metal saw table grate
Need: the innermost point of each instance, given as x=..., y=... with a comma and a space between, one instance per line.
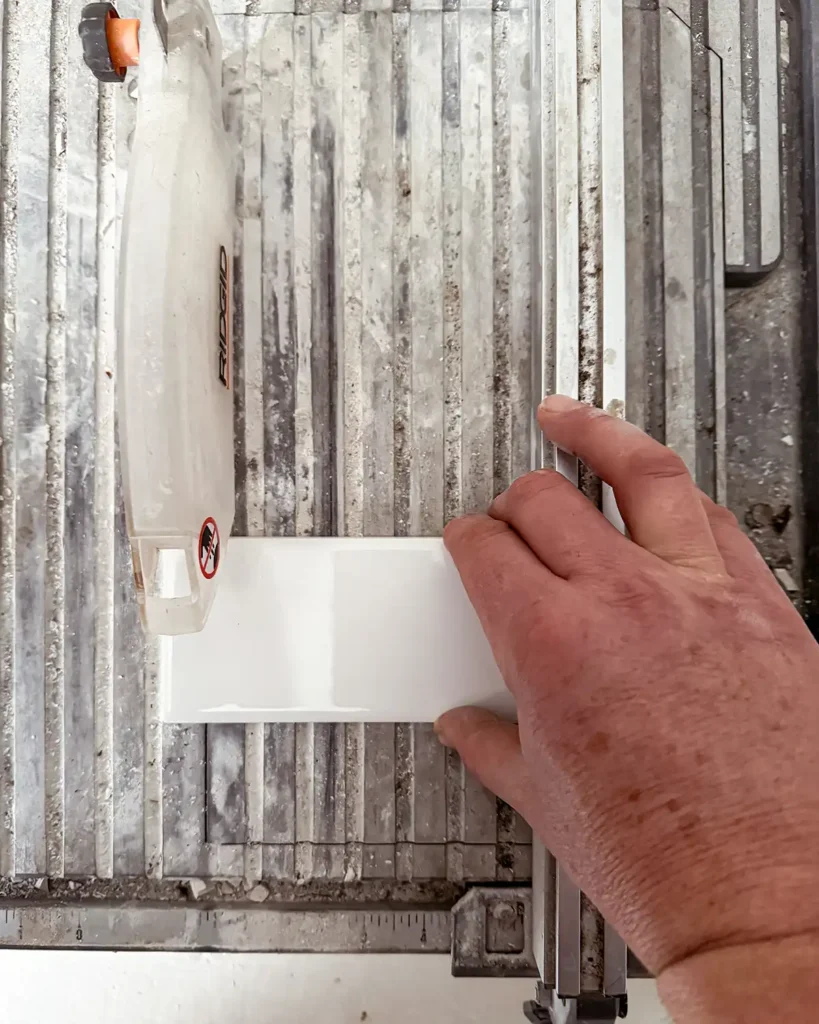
x=396, y=201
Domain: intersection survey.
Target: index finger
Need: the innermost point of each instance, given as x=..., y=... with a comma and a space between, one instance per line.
x=655, y=493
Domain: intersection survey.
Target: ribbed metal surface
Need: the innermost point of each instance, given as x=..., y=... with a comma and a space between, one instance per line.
x=405, y=268
x=384, y=383
x=383, y=374
x=674, y=200
x=383, y=377
x=745, y=38
x=57, y=510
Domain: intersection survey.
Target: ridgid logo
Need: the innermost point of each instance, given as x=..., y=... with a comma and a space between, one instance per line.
x=224, y=318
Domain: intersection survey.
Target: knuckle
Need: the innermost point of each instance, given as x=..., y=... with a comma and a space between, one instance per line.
x=721, y=606
x=474, y=540
x=533, y=485
x=636, y=593
x=483, y=545
x=656, y=462
x=468, y=529
x=586, y=416
x=589, y=422
x=724, y=516
x=478, y=736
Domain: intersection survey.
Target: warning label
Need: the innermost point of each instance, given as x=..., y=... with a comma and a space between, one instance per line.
x=209, y=545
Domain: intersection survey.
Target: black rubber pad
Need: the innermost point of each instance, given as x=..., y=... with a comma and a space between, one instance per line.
x=94, y=38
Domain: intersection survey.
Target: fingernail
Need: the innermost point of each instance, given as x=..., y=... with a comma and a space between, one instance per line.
x=499, y=503
x=559, y=403
x=440, y=731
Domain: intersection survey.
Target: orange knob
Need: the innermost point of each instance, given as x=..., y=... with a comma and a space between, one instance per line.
x=123, y=42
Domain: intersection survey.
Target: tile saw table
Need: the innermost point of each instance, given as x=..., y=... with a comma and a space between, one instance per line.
x=437, y=205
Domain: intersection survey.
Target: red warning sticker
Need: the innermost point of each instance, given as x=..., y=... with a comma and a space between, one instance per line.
x=209, y=548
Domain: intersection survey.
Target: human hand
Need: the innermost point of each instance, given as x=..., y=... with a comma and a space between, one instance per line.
x=667, y=750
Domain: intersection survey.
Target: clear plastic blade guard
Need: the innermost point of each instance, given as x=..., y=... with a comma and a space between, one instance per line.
x=175, y=401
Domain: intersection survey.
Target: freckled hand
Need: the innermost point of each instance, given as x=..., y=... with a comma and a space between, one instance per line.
x=669, y=717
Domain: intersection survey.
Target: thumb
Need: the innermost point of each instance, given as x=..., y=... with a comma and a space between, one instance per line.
x=490, y=749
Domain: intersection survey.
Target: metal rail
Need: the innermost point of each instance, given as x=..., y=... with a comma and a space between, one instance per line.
x=161, y=22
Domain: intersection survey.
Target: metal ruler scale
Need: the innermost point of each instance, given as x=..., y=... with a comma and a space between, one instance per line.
x=240, y=928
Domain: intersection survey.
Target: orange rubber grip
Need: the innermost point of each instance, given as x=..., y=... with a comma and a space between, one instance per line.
x=123, y=42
